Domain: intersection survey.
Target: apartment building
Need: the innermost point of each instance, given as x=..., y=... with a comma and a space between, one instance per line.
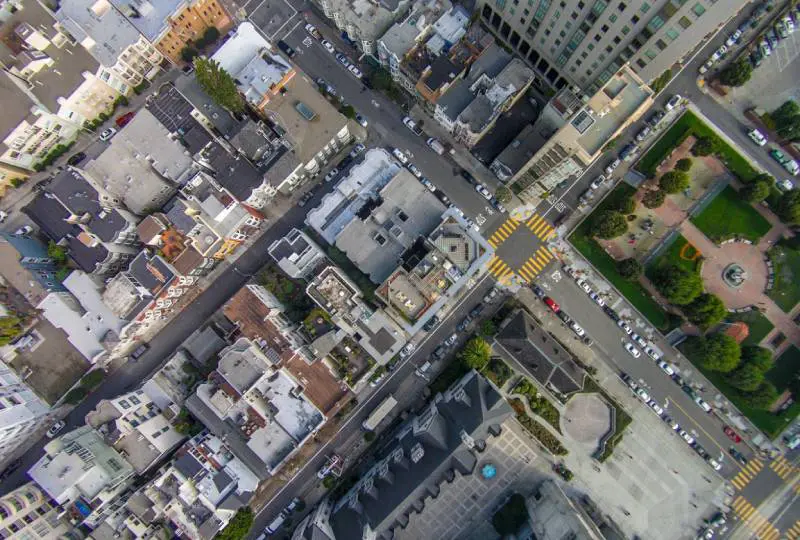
x=585, y=42
x=362, y=22
x=83, y=474
x=27, y=512
x=157, y=231
x=22, y=413
x=297, y=254
x=26, y=266
x=580, y=131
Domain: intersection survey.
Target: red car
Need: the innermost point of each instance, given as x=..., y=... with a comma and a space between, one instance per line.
x=732, y=435
x=123, y=120
x=552, y=304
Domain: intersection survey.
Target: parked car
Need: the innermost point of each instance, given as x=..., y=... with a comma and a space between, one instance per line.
x=639, y=340
x=564, y=317
x=656, y=118
x=702, y=404
x=432, y=322
x=625, y=326
x=757, y=137
x=480, y=188
x=632, y=350
x=644, y=396
x=361, y=120
x=74, y=159
x=139, y=351
x=714, y=464
x=406, y=351
x=612, y=166
x=107, y=134
x=24, y=230
x=468, y=177
x=673, y=102
x=311, y=29
x=451, y=340
x=55, y=429
x=123, y=120
x=355, y=71
x=686, y=437
x=597, y=300
x=463, y=324
x=412, y=125
x=357, y=149
x=666, y=368
x=644, y=132
x=552, y=304
x=439, y=352
x=286, y=48
x=738, y=456
x=611, y=313
x=328, y=46
x=307, y=196
x=331, y=174
x=578, y=329
x=538, y=291
x=476, y=311
x=652, y=353
x=584, y=285
x=597, y=182
x=414, y=170
x=627, y=151
x=401, y=157
x=732, y=435
x=3, y=216
x=436, y=146
x=656, y=407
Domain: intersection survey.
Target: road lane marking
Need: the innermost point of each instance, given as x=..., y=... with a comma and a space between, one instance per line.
x=693, y=421
x=793, y=533
x=753, y=519
x=782, y=467
x=747, y=474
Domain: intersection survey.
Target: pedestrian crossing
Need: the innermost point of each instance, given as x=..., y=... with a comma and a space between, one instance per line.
x=503, y=232
x=793, y=533
x=747, y=474
x=535, y=264
x=782, y=467
x=751, y=518
x=541, y=228
x=499, y=269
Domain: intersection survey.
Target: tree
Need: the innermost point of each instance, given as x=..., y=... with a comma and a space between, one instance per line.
x=718, y=352
x=759, y=357
x=661, y=81
x=328, y=482
x=369, y=436
x=488, y=328
x=764, y=177
x=788, y=207
x=755, y=192
x=10, y=328
x=502, y=194
x=630, y=268
x=738, y=73
x=381, y=79
x=678, y=285
x=238, y=526
x=674, y=181
x=762, y=397
x=746, y=377
x=609, y=224
x=684, y=164
x=189, y=53
x=706, y=310
x=654, y=198
x=476, y=353
x=627, y=206
x=348, y=111
x=787, y=120
x=705, y=146
x=218, y=84
x=57, y=253
x=76, y=395
x=210, y=35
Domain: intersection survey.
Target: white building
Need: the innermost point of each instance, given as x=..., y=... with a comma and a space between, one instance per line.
x=364, y=21
x=21, y=412
x=35, y=137
x=297, y=254
x=27, y=514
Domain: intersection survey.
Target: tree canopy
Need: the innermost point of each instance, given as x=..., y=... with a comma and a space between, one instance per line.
x=238, y=526
x=706, y=310
x=705, y=146
x=746, y=377
x=609, y=224
x=674, y=181
x=759, y=357
x=787, y=120
x=502, y=194
x=788, y=207
x=476, y=353
x=218, y=84
x=10, y=328
x=653, y=198
x=738, y=73
x=762, y=397
x=755, y=192
x=678, y=285
x=627, y=206
x=684, y=164
x=717, y=352
x=630, y=268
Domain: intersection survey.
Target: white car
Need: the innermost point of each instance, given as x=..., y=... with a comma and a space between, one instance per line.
x=612, y=166
x=643, y=133
x=625, y=327
x=107, y=134
x=355, y=71
x=715, y=464
x=406, y=351
x=413, y=168
x=428, y=184
x=362, y=121
x=636, y=353
x=757, y=137
x=666, y=368
x=577, y=329
x=656, y=407
x=410, y=124
x=24, y=230
x=331, y=174
x=652, y=353
x=643, y=395
x=328, y=46
x=675, y=426
x=673, y=102
x=357, y=149
x=3, y=216
x=401, y=157
x=789, y=23
x=55, y=429
x=597, y=182
x=585, y=286
x=639, y=340
x=597, y=300
x=686, y=437
x=480, y=188
x=723, y=49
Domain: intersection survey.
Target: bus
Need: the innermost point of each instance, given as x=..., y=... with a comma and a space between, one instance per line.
x=380, y=413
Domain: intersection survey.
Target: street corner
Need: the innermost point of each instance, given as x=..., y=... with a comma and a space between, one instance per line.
x=523, y=212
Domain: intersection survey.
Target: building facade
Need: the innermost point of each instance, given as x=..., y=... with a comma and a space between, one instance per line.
x=27, y=513
x=188, y=23
x=584, y=43
x=21, y=414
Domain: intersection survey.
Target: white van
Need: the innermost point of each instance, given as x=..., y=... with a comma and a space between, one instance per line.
x=792, y=167
x=273, y=527
x=757, y=137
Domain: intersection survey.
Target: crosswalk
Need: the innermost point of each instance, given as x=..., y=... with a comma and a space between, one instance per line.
x=535, y=264
x=793, y=533
x=503, y=232
x=751, y=518
x=747, y=474
x=783, y=468
x=499, y=269
x=541, y=228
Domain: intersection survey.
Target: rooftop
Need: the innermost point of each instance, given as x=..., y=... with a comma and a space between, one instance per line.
x=386, y=226
x=222, y=119
x=443, y=71
x=149, y=16
x=452, y=25
x=296, y=254
x=233, y=172
x=402, y=36
x=174, y=112
x=251, y=315
x=456, y=99
x=368, y=19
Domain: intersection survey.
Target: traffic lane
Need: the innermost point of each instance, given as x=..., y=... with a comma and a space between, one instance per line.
x=405, y=369
x=609, y=344
x=386, y=121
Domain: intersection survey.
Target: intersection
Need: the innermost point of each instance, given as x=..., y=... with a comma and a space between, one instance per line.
x=520, y=250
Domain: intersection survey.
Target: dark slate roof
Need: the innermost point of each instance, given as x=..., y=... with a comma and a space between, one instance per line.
x=456, y=99
x=86, y=257
x=175, y=211
x=491, y=62
x=151, y=272
x=222, y=120
x=235, y=173
x=50, y=216
x=541, y=355
x=188, y=465
x=426, y=450
x=443, y=70
x=173, y=110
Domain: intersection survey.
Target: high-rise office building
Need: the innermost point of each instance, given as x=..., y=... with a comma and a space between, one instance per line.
x=584, y=42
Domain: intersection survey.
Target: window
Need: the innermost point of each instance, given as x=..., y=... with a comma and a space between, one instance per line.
x=584, y=55
x=651, y=54
x=617, y=40
x=635, y=19
x=589, y=73
x=641, y=63
x=562, y=60
x=574, y=15
x=558, y=43
x=672, y=34
x=622, y=6
x=578, y=62
x=604, y=28
x=602, y=58
x=511, y=11
x=135, y=400
x=599, y=7
x=625, y=30
x=124, y=404
x=526, y=11
x=562, y=34
x=581, y=5
x=645, y=7
x=590, y=46
x=562, y=4
x=501, y=4
x=568, y=25
x=546, y=33
x=698, y=9
x=612, y=19
x=572, y=69
x=661, y=45
x=597, y=37
x=655, y=23
x=684, y=22
x=609, y=49
x=594, y=65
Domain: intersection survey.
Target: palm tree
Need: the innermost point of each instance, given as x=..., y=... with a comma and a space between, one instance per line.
x=476, y=353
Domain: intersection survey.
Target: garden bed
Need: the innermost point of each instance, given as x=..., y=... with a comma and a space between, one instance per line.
x=538, y=403
x=498, y=372
x=678, y=253
x=540, y=433
x=729, y=216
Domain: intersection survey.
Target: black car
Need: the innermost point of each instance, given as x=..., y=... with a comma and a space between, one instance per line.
x=738, y=456
x=432, y=322
x=9, y=470
x=140, y=350
x=564, y=317
x=476, y=311
x=611, y=313
x=462, y=326
x=626, y=151
x=282, y=45
x=537, y=291
x=701, y=452
x=76, y=158
x=439, y=352
x=656, y=118
x=468, y=177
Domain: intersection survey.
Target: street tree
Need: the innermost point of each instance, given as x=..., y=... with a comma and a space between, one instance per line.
x=787, y=120
x=218, y=84
x=746, y=377
x=738, y=73
x=755, y=192
x=684, y=164
x=717, y=352
x=654, y=198
x=759, y=357
x=239, y=525
x=788, y=207
x=705, y=146
x=502, y=194
x=762, y=397
x=476, y=353
x=630, y=268
x=678, y=285
x=674, y=181
x=706, y=310
x=609, y=224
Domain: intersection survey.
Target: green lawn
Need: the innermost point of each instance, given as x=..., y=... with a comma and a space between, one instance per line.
x=672, y=256
x=758, y=324
x=583, y=241
x=771, y=424
x=687, y=125
x=728, y=215
x=785, y=258
x=786, y=367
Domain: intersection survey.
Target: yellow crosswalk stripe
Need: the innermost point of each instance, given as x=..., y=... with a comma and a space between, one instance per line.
x=532, y=266
x=739, y=483
x=526, y=274
x=541, y=228
x=549, y=235
x=747, y=474
x=491, y=243
x=794, y=532
x=753, y=520
x=534, y=221
x=782, y=467
x=773, y=534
